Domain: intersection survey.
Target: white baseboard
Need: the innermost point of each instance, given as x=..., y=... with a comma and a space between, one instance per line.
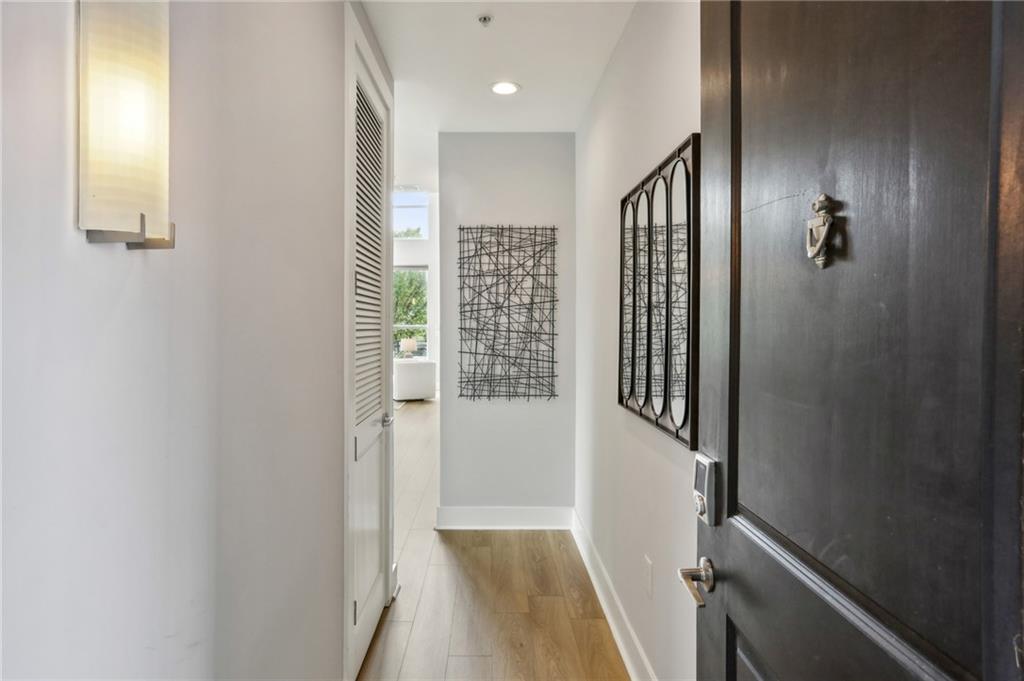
x=637, y=664
x=504, y=517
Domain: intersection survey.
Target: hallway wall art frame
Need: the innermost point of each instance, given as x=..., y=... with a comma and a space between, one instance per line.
x=508, y=299
x=659, y=294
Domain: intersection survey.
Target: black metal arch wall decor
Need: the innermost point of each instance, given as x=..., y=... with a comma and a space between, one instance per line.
x=659, y=294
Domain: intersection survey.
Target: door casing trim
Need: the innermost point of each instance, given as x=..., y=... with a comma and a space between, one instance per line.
x=361, y=64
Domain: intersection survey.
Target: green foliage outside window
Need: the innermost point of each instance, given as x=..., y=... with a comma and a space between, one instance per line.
x=410, y=291
x=410, y=233
x=410, y=297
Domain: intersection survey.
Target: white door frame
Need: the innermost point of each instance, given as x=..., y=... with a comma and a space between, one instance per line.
x=362, y=67
x=1, y=334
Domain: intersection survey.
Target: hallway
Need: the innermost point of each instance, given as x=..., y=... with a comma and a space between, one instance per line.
x=417, y=466
x=536, y=340
x=481, y=604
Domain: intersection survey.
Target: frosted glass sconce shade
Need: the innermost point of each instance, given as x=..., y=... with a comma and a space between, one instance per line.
x=124, y=103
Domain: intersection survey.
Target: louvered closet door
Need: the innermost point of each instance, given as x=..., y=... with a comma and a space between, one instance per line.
x=370, y=311
x=368, y=499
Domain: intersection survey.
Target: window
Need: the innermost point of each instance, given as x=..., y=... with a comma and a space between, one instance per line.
x=411, y=215
x=410, y=289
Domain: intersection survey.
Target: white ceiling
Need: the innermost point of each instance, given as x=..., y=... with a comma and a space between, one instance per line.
x=444, y=63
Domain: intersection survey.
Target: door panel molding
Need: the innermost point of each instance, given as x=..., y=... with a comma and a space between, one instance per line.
x=744, y=663
x=1003, y=478
x=850, y=605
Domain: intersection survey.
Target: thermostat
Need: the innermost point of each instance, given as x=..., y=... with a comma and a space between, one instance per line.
x=704, y=488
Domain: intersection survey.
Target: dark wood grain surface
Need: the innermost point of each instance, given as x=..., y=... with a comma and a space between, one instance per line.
x=851, y=405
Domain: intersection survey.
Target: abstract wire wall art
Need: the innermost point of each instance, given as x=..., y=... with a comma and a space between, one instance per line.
x=660, y=223
x=507, y=304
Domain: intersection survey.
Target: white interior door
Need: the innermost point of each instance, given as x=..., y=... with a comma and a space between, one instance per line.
x=370, y=578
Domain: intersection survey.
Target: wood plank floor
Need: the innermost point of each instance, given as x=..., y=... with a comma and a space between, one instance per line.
x=481, y=605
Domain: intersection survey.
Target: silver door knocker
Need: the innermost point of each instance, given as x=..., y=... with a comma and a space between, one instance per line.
x=818, y=230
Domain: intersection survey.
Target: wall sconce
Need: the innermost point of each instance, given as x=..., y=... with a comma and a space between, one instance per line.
x=124, y=123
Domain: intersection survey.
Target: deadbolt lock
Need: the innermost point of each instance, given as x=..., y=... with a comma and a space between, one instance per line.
x=704, y=488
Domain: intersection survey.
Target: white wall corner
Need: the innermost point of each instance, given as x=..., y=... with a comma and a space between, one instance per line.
x=633, y=655
x=504, y=517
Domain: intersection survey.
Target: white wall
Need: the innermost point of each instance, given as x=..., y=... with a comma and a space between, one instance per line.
x=110, y=409
x=1, y=336
x=632, y=482
x=172, y=488
x=501, y=453
x=281, y=217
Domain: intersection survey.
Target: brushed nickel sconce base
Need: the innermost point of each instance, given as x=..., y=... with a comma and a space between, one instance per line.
x=150, y=243
x=110, y=236
x=133, y=241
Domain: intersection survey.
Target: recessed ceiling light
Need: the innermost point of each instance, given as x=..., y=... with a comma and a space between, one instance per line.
x=505, y=88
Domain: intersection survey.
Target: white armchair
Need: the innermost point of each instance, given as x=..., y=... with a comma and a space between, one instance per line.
x=415, y=379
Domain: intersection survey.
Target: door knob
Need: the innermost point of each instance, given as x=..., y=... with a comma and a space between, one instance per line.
x=705, y=574
x=387, y=420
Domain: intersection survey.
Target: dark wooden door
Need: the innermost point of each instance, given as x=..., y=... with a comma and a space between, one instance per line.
x=850, y=407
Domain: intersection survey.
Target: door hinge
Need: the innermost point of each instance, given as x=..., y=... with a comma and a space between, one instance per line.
x=355, y=611
x=355, y=449
x=1018, y=651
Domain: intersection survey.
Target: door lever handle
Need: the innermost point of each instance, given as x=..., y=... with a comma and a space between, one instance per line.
x=705, y=574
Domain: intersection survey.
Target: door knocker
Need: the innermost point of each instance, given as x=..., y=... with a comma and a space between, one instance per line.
x=818, y=230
